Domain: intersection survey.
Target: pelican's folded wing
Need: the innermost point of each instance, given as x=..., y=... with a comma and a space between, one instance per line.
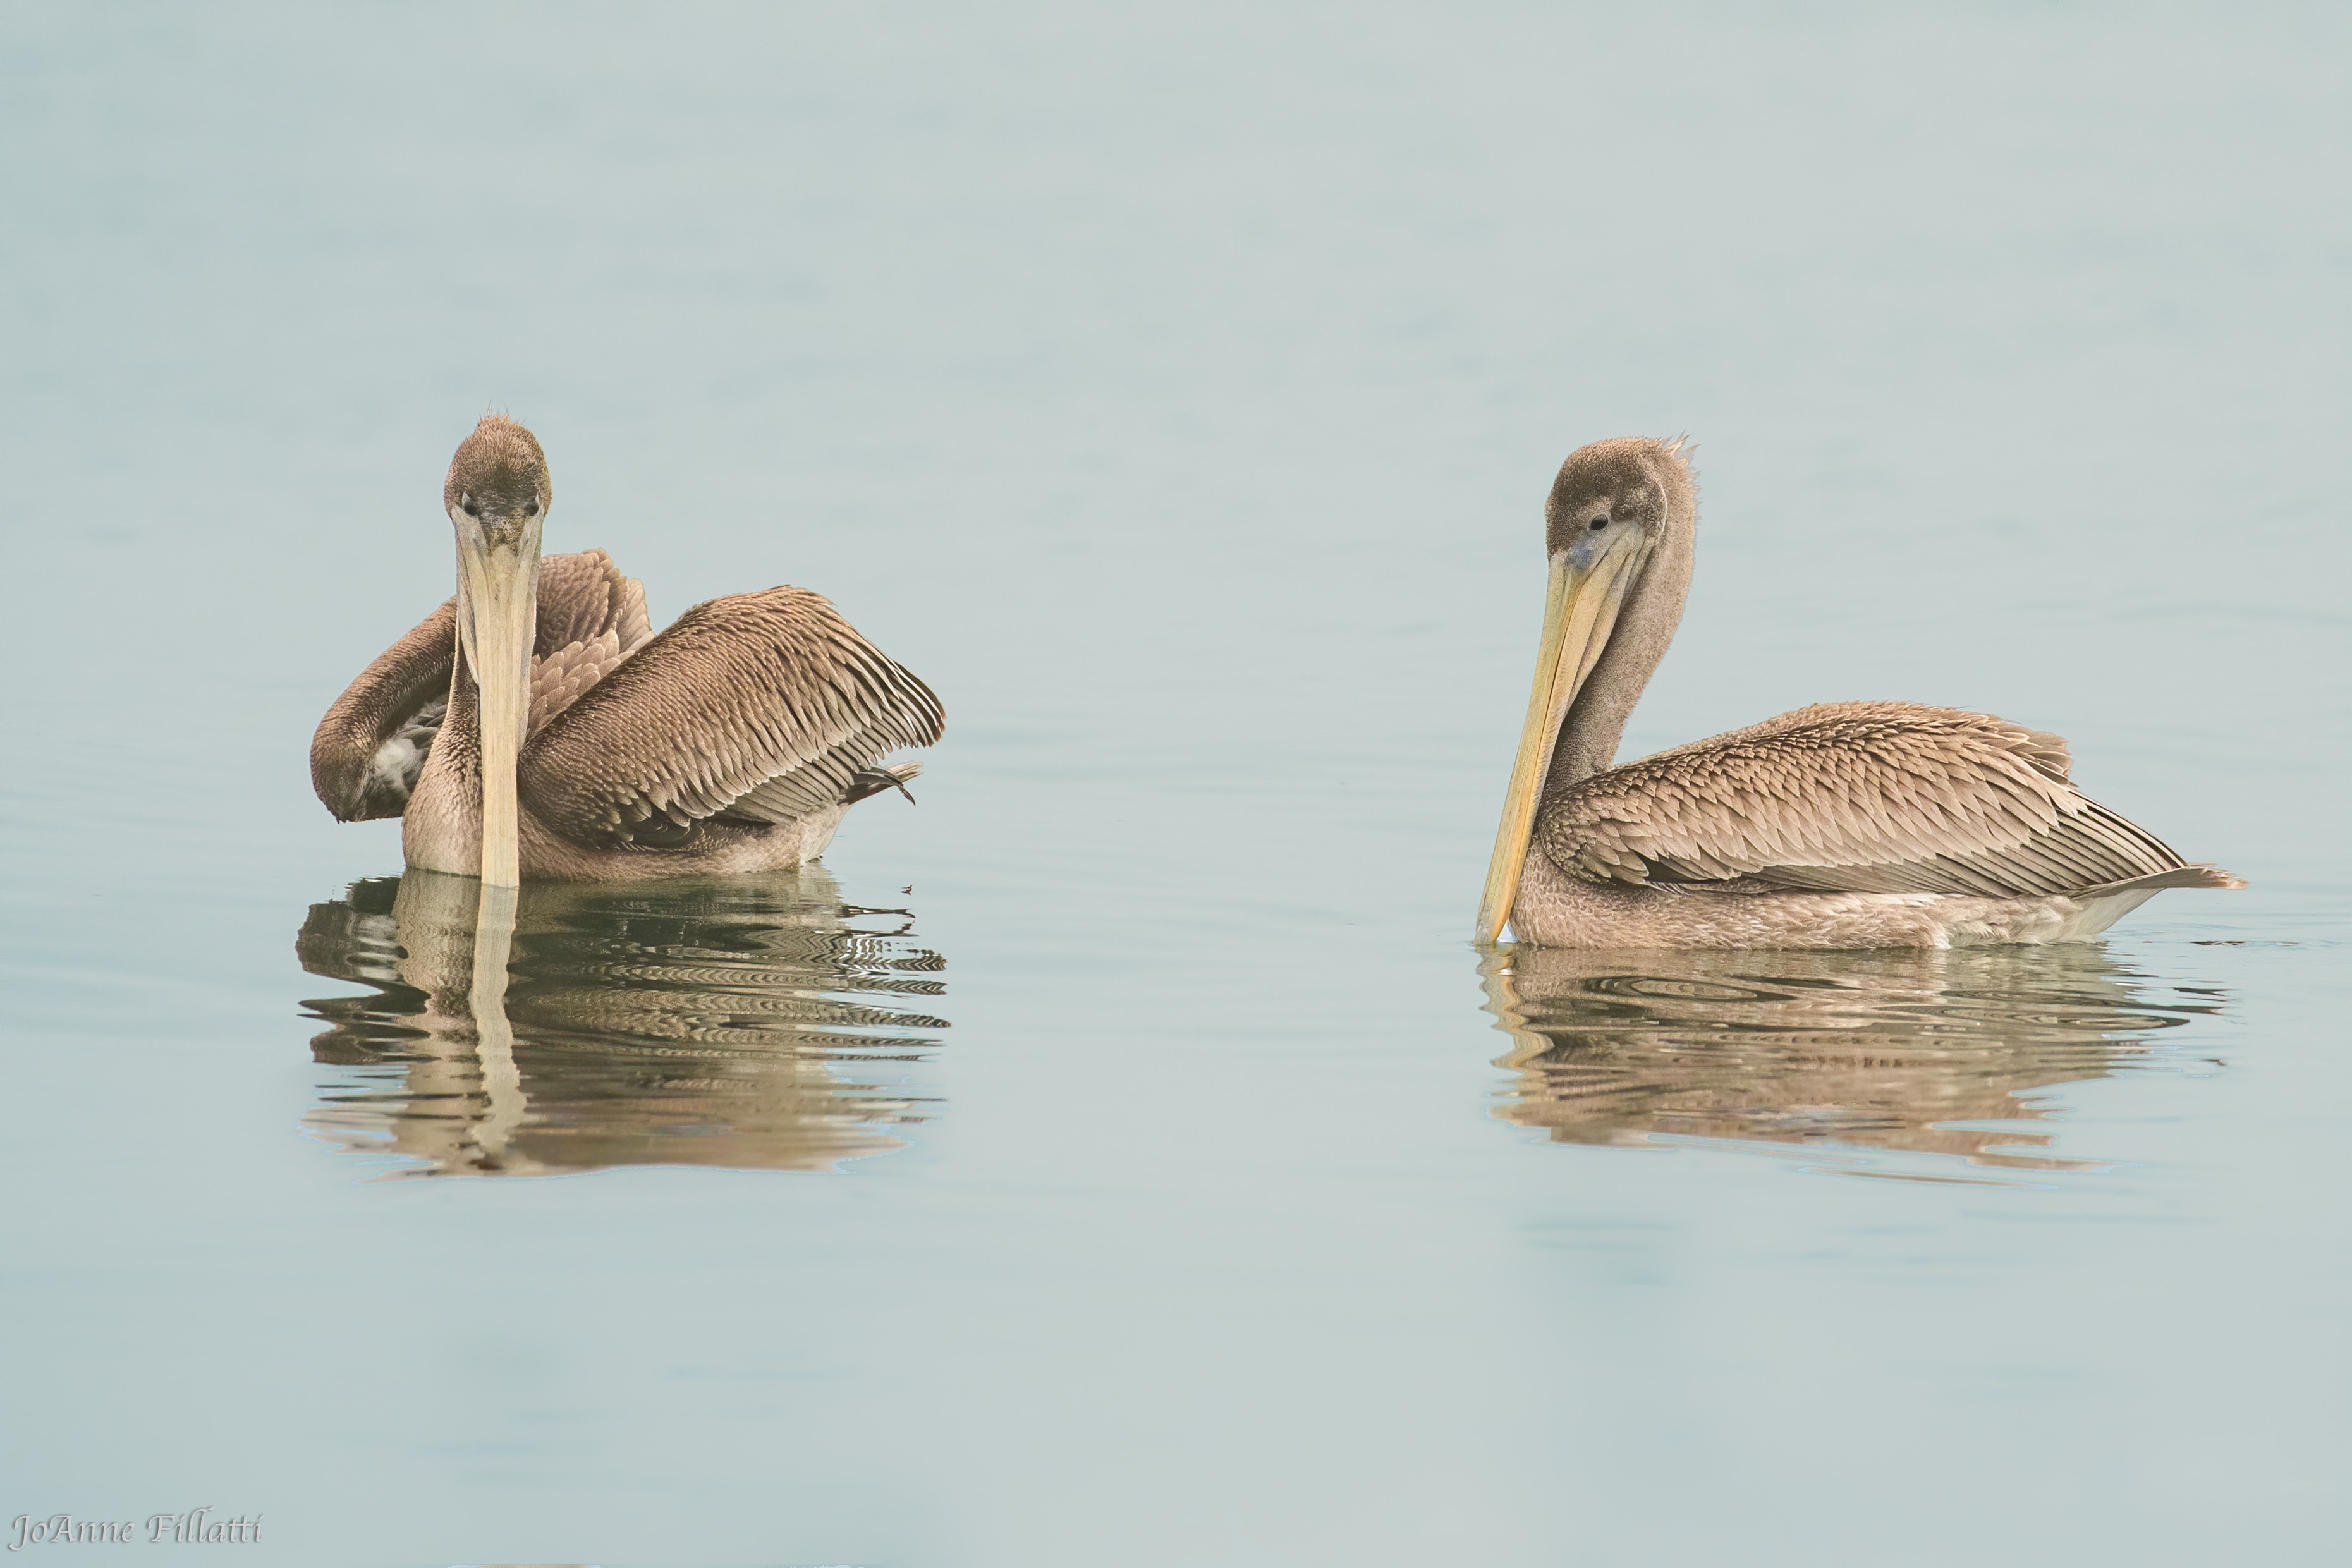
x=759, y=706
x=1855, y=797
x=370, y=749
x=591, y=617
x=584, y=596
x=366, y=753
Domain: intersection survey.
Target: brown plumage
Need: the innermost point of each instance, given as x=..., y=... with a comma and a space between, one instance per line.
x=1844, y=825
x=732, y=741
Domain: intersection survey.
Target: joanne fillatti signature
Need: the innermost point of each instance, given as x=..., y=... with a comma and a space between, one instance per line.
x=193, y=1528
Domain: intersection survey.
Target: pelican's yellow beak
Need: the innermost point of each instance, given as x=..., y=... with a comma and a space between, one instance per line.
x=498, y=618
x=1579, y=612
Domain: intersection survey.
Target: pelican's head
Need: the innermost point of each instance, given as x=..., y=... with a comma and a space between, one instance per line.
x=1612, y=501
x=497, y=480
x=496, y=497
x=1612, y=505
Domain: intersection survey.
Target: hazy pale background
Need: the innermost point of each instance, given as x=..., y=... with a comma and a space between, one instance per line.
x=1176, y=389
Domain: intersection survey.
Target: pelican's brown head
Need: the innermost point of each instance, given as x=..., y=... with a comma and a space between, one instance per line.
x=498, y=477
x=1606, y=491
x=1620, y=516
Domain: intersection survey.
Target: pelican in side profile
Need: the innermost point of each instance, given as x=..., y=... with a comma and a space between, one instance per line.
x=1844, y=825
x=534, y=726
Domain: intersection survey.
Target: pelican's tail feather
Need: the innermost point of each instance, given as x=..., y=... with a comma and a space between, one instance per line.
x=874, y=781
x=2155, y=882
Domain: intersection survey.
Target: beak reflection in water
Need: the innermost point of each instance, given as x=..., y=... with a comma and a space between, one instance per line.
x=752, y=1022
x=1923, y=1065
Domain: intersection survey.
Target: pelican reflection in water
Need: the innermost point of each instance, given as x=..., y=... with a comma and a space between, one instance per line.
x=1920, y=1052
x=1844, y=825
x=749, y=1021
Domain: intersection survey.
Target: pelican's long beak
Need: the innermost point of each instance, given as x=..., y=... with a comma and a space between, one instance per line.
x=1579, y=612
x=498, y=617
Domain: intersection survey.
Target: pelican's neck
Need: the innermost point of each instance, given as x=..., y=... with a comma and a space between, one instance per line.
x=459, y=740
x=1645, y=627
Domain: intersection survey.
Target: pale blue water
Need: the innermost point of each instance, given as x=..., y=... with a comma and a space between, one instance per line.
x=1176, y=390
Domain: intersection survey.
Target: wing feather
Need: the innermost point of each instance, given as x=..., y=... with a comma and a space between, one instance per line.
x=590, y=619
x=368, y=750
x=1853, y=797
x=584, y=597
x=759, y=706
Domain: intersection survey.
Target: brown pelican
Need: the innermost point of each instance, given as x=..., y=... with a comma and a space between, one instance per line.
x=535, y=725
x=1843, y=825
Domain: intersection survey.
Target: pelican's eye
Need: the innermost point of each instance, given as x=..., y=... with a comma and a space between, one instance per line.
x=1599, y=523
x=530, y=507
x=473, y=508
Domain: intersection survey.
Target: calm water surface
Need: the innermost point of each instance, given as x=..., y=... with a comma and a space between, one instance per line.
x=1120, y=1156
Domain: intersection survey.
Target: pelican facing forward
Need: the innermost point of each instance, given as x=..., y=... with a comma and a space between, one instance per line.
x=1844, y=825
x=534, y=726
